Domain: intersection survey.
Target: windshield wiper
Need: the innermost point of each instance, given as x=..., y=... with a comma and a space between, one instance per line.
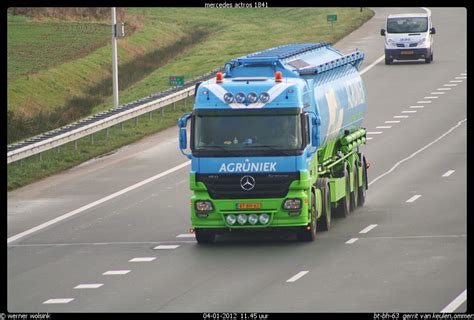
x=286, y=153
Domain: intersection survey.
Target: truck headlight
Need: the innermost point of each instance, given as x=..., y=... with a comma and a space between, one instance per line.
x=242, y=218
x=252, y=97
x=228, y=97
x=292, y=204
x=264, y=218
x=240, y=97
x=253, y=218
x=204, y=206
x=231, y=219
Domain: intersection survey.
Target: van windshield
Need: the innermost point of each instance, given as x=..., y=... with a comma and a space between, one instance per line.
x=407, y=25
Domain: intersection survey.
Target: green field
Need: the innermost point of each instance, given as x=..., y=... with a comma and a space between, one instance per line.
x=60, y=70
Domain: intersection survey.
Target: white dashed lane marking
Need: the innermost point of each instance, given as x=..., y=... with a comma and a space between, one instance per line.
x=431, y=97
x=89, y=286
x=297, y=276
x=351, y=241
x=417, y=107
x=142, y=259
x=115, y=272
x=424, y=101
x=445, y=89
x=62, y=300
x=412, y=199
x=374, y=132
x=383, y=127
x=409, y=111
x=186, y=235
x=167, y=247
x=368, y=228
x=448, y=173
x=460, y=77
x=400, y=117
x=455, y=81
x=437, y=92
x=450, y=85
x=392, y=121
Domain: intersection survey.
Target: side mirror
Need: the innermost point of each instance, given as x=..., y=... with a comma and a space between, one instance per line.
x=382, y=32
x=183, y=139
x=316, y=122
x=433, y=31
x=196, y=87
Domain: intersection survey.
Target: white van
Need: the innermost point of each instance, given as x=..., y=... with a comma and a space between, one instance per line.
x=408, y=37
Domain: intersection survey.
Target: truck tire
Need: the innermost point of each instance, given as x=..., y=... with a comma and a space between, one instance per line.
x=343, y=205
x=305, y=235
x=363, y=188
x=324, y=223
x=204, y=236
x=355, y=194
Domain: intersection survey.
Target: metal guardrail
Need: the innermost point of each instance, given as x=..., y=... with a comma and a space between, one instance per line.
x=103, y=120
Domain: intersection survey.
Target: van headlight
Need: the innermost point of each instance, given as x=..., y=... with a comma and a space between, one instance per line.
x=421, y=41
x=390, y=42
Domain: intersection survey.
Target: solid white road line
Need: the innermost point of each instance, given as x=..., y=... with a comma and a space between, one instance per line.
x=448, y=173
x=62, y=300
x=367, y=229
x=418, y=151
x=455, y=303
x=392, y=121
x=297, y=276
x=166, y=247
x=409, y=111
x=351, y=241
x=89, y=286
x=142, y=259
x=374, y=132
x=372, y=65
x=417, y=107
x=400, y=117
x=383, y=127
x=412, y=199
x=96, y=203
x=115, y=272
x=186, y=235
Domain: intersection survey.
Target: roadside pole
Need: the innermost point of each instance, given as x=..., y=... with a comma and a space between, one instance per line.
x=114, y=58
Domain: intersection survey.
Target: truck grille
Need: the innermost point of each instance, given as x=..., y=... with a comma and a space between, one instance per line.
x=266, y=185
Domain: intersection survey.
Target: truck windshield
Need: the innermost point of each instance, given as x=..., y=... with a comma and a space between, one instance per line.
x=247, y=133
x=407, y=25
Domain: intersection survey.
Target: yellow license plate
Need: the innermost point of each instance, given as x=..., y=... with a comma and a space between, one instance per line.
x=248, y=205
x=407, y=52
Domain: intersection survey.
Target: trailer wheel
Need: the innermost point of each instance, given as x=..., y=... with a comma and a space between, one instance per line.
x=363, y=188
x=343, y=205
x=305, y=235
x=324, y=223
x=204, y=236
x=355, y=194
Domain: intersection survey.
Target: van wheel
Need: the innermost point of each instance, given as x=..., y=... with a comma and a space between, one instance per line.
x=429, y=59
x=388, y=61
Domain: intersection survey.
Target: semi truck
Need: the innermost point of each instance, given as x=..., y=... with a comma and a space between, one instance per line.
x=274, y=142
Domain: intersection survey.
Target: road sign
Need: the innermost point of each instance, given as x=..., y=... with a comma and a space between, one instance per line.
x=177, y=81
x=331, y=17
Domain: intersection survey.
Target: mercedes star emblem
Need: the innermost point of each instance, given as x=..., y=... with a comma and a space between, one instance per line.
x=247, y=183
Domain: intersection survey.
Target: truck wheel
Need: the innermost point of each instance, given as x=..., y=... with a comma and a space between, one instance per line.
x=324, y=223
x=343, y=205
x=305, y=235
x=363, y=188
x=355, y=194
x=204, y=236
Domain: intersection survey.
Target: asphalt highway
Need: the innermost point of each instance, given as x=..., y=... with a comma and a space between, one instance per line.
x=103, y=238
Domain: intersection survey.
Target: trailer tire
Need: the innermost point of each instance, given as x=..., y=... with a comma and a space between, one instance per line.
x=363, y=188
x=355, y=194
x=343, y=205
x=324, y=223
x=305, y=235
x=204, y=236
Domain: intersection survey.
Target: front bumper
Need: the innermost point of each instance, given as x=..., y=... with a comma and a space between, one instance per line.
x=407, y=53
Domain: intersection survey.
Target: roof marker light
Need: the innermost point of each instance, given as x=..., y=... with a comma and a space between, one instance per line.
x=219, y=77
x=278, y=76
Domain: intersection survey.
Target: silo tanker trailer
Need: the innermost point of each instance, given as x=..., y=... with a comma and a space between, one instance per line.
x=274, y=142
